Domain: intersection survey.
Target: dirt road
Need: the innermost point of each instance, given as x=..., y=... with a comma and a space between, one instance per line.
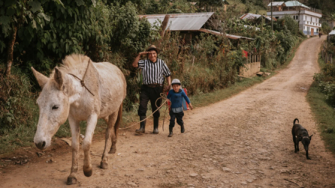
x=244, y=141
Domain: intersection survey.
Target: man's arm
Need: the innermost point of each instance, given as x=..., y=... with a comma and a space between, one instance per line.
x=135, y=63
x=169, y=81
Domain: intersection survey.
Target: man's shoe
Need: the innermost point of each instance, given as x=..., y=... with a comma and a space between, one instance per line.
x=142, y=125
x=155, y=131
x=170, y=134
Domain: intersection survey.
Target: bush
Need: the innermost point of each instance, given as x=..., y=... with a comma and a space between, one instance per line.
x=326, y=82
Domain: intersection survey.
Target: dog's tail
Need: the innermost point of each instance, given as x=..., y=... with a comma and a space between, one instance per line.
x=296, y=119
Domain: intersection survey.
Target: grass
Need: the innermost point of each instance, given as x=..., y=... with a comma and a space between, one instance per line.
x=324, y=113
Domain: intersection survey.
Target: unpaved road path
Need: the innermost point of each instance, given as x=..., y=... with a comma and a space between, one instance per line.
x=244, y=141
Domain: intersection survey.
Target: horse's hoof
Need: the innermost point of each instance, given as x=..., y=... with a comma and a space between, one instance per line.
x=103, y=165
x=87, y=170
x=88, y=173
x=71, y=180
x=112, y=150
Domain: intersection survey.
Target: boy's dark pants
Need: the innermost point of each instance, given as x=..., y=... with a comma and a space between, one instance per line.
x=179, y=117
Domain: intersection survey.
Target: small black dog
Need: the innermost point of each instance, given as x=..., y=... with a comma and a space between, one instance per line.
x=299, y=133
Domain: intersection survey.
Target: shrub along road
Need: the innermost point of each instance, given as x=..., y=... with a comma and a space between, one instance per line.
x=244, y=141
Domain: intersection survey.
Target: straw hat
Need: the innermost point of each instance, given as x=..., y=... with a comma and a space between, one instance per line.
x=153, y=47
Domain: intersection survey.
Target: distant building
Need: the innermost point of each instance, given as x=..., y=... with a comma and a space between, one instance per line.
x=308, y=18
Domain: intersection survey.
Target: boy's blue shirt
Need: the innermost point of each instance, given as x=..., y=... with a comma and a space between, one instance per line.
x=177, y=98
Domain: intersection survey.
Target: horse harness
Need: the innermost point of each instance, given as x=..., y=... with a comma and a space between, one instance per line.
x=82, y=82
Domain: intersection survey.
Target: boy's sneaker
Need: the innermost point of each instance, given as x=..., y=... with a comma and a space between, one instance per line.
x=182, y=129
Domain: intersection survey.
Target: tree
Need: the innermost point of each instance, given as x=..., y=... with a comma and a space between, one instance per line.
x=15, y=13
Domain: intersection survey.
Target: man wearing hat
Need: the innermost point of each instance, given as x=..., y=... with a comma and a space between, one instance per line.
x=154, y=72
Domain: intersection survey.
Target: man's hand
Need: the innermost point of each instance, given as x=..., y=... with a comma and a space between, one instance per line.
x=191, y=107
x=167, y=88
x=143, y=53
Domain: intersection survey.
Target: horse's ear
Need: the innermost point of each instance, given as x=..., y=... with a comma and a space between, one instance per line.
x=41, y=79
x=58, y=76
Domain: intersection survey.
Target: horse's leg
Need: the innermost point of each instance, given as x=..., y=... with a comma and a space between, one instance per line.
x=109, y=132
x=74, y=125
x=91, y=123
x=116, y=128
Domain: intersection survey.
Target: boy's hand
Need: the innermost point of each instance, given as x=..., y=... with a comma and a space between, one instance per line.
x=191, y=107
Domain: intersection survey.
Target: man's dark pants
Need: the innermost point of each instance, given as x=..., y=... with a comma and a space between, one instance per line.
x=152, y=94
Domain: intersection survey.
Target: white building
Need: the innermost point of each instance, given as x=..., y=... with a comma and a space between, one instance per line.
x=308, y=18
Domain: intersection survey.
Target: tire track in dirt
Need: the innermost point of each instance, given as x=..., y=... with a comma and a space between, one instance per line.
x=244, y=141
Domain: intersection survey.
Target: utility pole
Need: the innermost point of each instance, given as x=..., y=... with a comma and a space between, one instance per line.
x=271, y=16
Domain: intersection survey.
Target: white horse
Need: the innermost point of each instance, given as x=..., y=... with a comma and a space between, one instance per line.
x=64, y=96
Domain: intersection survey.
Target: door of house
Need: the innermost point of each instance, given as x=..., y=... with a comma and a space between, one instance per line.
x=312, y=31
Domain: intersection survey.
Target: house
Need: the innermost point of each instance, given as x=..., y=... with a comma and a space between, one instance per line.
x=188, y=24
x=307, y=17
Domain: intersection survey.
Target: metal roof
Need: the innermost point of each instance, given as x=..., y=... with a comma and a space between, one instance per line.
x=295, y=4
x=251, y=16
x=276, y=4
x=235, y=37
x=332, y=32
x=180, y=22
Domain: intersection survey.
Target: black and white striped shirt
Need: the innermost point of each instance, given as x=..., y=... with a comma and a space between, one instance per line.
x=153, y=73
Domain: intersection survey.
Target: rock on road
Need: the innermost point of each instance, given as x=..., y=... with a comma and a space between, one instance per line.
x=244, y=141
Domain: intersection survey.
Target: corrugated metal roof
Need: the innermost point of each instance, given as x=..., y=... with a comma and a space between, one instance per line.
x=252, y=27
x=251, y=16
x=235, y=37
x=180, y=22
x=295, y=4
x=332, y=32
x=276, y=4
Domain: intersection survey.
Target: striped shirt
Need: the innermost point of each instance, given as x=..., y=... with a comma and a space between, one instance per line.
x=153, y=73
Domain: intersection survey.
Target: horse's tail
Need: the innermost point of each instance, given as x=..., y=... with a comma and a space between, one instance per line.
x=118, y=120
x=296, y=119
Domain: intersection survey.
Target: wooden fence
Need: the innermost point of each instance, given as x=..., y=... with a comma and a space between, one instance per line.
x=254, y=58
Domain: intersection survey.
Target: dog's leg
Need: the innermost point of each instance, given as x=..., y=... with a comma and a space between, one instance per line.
x=306, y=149
x=297, y=145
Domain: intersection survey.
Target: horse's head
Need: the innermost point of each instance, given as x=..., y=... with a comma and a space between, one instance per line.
x=54, y=105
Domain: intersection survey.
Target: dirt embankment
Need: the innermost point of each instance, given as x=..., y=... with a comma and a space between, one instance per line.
x=244, y=141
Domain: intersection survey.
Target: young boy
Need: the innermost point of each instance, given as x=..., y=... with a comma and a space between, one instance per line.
x=176, y=96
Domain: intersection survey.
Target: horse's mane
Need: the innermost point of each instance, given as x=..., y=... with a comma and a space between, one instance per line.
x=74, y=63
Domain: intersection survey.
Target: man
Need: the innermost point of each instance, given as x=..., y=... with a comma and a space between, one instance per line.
x=154, y=71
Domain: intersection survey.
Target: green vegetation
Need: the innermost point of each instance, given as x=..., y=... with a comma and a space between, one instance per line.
x=109, y=30
x=322, y=106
